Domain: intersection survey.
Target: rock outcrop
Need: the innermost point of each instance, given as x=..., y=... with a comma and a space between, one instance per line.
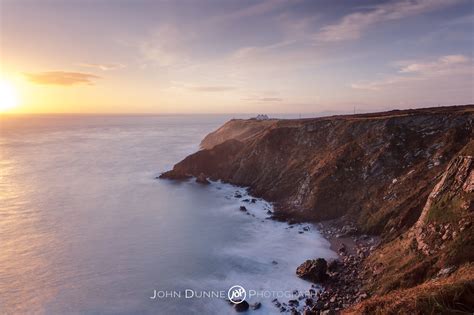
x=449, y=209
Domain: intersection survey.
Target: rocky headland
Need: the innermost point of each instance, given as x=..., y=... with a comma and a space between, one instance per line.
x=392, y=191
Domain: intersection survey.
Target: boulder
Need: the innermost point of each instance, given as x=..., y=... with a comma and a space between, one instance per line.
x=241, y=307
x=256, y=305
x=293, y=303
x=313, y=270
x=348, y=230
x=243, y=208
x=342, y=249
x=445, y=271
x=333, y=265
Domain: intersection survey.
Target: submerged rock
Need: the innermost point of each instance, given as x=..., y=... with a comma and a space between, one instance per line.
x=256, y=306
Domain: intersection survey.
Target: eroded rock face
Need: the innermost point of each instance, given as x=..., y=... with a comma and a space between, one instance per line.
x=377, y=168
x=448, y=210
x=313, y=270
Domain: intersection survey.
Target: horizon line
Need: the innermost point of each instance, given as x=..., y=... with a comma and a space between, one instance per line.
x=365, y=111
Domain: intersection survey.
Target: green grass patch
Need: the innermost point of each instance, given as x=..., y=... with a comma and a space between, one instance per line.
x=445, y=209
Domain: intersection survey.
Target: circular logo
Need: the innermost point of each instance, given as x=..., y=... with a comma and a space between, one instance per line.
x=236, y=294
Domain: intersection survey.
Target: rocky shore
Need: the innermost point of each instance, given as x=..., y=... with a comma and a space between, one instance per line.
x=394, y=192
x=337, y=284
x=341, y=279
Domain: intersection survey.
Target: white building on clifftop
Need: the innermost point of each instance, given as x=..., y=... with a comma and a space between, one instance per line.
x=262, y=117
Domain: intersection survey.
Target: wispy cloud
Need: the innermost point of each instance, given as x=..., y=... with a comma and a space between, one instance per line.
x=353, y=25
x=255, y=9
x=444, y=64
x=271, y=99
x=202, y=88
x=61, y=78
x=166, y=47
x=212, y=88
x=449, y=65
x=103, y=67
x=263, y=99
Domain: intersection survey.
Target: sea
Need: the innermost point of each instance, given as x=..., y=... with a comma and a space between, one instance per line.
x=87, y=228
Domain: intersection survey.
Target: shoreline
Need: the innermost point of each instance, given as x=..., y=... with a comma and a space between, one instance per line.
x=343, y=287
x=260, y=211
x=302, y=299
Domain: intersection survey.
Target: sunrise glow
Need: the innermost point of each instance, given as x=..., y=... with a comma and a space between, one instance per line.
x=235, y=56
x=8, y=96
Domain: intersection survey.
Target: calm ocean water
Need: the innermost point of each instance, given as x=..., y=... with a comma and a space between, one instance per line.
x=85, y=228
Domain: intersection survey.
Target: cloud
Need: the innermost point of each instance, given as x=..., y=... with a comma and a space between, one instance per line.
x=271, y=99
x=61, y=78
x=166, y=47
x=263, y=99
x=444, y=64
x=212, y=88
x=377, y=85
x=351, y=26
x=103, y=67
x=449, y=65
x=255, y=9
x=201, y=88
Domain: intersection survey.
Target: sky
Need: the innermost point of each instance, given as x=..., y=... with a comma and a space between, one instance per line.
x=236, y=56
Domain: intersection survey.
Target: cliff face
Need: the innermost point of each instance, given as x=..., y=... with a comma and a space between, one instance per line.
x=429, y=268
x=448, y=208
x=405, y=175
x=377, y=169
x=236, y=129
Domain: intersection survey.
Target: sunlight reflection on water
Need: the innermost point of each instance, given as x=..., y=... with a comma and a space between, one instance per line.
x=86, y=229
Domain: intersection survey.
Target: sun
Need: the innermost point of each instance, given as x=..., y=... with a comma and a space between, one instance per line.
x=8, y=96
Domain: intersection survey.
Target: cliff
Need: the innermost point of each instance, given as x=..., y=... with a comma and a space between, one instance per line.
x=429, y=268
x=377, y=169
x=406, y=176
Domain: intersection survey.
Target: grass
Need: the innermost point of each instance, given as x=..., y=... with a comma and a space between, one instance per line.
x=444, y=209
x=451, y=295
